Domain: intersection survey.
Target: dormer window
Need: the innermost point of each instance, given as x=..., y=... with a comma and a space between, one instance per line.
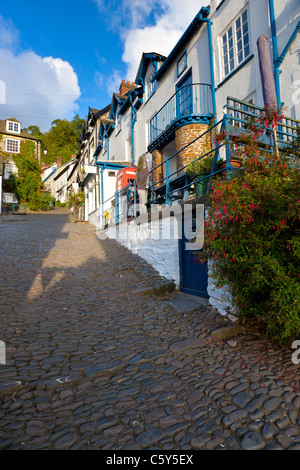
x=13, y=127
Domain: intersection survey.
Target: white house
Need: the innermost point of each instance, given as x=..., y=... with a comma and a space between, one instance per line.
x=211, y=78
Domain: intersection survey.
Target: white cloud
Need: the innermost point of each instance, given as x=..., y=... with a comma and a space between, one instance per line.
x=38, y=90
x=154, y=25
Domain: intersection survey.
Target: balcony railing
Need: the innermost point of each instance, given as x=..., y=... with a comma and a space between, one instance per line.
x=243, y=113
x=194, y=99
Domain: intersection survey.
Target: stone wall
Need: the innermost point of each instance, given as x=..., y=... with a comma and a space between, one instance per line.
x=186, y=134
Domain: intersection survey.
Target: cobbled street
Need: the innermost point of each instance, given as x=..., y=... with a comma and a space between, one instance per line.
x=92, y=365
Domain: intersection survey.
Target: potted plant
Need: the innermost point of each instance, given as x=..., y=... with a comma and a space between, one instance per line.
x=235, y=162
x=199, y=169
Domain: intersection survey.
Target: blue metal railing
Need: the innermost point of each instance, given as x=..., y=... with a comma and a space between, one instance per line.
x=243, y=113
x=188, y=100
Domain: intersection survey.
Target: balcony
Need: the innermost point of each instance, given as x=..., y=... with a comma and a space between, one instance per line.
x=191, y=103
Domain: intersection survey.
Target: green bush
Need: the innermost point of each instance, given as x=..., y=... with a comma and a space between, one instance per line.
x=253, y=235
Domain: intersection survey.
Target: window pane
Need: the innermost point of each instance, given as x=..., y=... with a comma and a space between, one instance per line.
x=245, y=28
x=244, y=16
x=240, y=57
x=239, y=45
x=230, y=32
x=239, y=34
x=247, y=50
x=226, y=70
x=232, y=64
x=238, y=23
x=246, y=39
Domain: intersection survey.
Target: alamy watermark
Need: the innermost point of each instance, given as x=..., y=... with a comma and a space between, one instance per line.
x=296, y=354
x=169, y=223
x=2, y=353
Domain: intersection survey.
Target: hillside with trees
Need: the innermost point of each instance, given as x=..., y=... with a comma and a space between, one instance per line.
x=60, y=141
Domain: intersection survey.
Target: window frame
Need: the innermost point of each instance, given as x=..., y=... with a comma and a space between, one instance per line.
x=238, y=55
x=14, y=141
x=14, y=124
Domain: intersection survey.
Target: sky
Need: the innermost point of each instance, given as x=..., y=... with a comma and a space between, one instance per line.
x=59, y=58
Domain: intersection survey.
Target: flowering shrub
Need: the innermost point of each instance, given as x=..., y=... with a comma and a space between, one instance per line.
x=253, y=235
x=76, y=200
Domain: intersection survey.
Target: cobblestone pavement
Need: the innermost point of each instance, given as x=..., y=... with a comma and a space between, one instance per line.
x=89, y=365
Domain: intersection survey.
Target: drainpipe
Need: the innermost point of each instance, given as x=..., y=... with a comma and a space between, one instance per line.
x=275, y=52
x=102, y=199
x=211, y=58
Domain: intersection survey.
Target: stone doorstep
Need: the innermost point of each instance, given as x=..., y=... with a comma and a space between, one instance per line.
x=161, y=289
x=186, y=303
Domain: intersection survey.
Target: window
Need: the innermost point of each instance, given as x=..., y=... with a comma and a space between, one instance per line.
x=182, y=64
x=118, y=122
x=185, y=95
x=13, y=127
x=12, y=146
x=150, y=86
x=235, y=43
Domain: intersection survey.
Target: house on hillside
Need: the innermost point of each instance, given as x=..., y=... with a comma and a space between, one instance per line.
x=11, y=138
x=212, y=80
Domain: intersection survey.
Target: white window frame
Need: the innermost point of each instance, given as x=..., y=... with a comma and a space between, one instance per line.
x=118, y=123
x=9, y=145
x=16, y=127
x=150, y=86
x=233, y=47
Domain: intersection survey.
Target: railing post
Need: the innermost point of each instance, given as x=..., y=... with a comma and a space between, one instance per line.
x=167, y=181
x=135, y=199
x=117, y=199
x=227, y=146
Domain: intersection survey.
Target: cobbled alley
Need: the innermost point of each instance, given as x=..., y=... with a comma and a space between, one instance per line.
x=90, y=364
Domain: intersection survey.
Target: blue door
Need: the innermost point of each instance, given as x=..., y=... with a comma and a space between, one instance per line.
x=193, y=274
x=185, y=96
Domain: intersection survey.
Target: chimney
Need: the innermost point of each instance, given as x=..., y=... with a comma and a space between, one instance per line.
x=58, y=162
x=126, y=86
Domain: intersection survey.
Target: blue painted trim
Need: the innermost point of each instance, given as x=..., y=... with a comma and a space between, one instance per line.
x=110, y=165
x=289, y=43
x=275, y=52
x=212, y=70
x=220, y=4
x=250, y=57
x=102, y=197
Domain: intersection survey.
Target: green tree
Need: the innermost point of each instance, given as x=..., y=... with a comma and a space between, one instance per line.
x=62, y=139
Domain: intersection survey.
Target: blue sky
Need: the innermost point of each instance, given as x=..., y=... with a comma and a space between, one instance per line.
x=58, y=58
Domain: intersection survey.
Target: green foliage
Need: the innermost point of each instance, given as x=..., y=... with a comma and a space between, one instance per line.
x=61, y=140
x=76, y=200
x=27, y=184
x=253, y=235
x=200, y=166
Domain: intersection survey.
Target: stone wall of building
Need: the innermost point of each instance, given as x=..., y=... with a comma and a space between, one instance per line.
x=186, y=134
